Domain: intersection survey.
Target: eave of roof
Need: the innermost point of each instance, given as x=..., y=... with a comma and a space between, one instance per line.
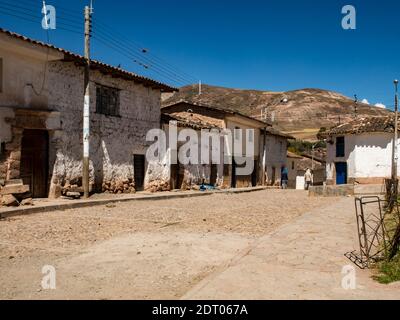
x=94, y=64
x=222, y=110
x=362, y=125
x=275, y=132
x=181, y=122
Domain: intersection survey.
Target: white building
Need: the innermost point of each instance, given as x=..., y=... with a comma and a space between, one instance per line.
x=270, y=148
x=360, y=151
x=41, y=103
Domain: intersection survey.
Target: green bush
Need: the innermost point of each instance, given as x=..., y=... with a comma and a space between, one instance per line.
x=389, y=271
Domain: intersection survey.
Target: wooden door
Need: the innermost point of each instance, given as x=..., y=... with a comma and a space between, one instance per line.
x=35, y=161
x=139, y=170
x=214, y=174
x=341, y=173
x=233, y=176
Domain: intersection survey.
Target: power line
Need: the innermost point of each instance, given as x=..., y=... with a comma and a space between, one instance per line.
x=112, y=39
x=143, y=50
x=29, y=15
x=127, y=55
x=6, y=13
x=143, y=61
x=75, y=16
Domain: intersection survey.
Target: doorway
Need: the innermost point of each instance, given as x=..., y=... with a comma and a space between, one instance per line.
x=139, y=171
x=35, y=161
x=214, y=174
x=273, y=176
x=341, y=172
x=254, y=175
x=234, y=178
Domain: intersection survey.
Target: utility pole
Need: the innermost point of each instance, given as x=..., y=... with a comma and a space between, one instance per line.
x=199, y=87
x=86, y=104
x=395, y=136
x=355, y=106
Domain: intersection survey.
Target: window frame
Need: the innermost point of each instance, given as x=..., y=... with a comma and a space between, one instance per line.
x=104, y=104
x=340, y=147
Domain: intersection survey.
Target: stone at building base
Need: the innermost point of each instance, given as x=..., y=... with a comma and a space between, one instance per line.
x=156, y=186
x=14, y=189
x=9, y=201
x=332, y=190
x=75, y=195
x=119, y=186
x=27, y=202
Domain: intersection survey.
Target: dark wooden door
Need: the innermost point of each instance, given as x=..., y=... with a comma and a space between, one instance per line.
x=254, y=175
x=214, y=174
x=139, y=170
x=35, y=161
x=234, y=177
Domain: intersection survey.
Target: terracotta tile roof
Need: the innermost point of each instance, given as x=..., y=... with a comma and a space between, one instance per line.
x=304, y=163
x=70, y=56
x=220, y=109
x=293, y=155
x=193, y=120
x=362, y=125
x=275, y=132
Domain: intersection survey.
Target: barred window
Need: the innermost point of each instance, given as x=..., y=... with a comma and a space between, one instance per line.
x=107, y=100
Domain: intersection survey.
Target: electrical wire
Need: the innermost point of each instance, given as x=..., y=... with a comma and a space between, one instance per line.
x=139, y=59
x=72, y=22
x=45, y=64
x=113, y=33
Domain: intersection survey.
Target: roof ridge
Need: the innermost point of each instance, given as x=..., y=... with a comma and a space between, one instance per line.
x=94, y=62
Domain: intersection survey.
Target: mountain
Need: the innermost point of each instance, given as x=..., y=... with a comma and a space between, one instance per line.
x=300, y=113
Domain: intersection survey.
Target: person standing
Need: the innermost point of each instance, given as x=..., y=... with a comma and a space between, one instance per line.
x=308, y=178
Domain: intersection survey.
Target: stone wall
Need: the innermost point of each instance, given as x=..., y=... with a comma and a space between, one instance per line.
x=113, y=142
x=114, y=139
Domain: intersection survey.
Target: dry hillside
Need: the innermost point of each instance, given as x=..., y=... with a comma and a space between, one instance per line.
x=300, y=112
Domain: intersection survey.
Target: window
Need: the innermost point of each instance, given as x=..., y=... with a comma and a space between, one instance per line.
x=237, y=133
x=292, y=165
x=251, y=135
x=107, y=100
x=340, y=147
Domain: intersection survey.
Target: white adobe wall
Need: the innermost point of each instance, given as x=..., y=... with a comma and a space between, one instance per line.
x=194, y=174
x=114, y=140
x=367, y=155
x=373, y=155
x=276, y=157
x=349, y=157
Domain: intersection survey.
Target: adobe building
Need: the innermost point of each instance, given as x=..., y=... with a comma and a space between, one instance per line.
x=41, y=112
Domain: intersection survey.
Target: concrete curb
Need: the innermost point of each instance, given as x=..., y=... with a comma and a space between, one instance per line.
x=76, y=204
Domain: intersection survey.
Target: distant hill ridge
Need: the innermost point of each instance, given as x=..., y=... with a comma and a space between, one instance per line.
x=299, y=112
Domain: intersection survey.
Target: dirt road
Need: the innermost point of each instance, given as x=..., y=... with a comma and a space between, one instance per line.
x=169, y=249
x=149, y=249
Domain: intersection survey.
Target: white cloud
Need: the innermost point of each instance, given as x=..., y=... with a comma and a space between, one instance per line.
x=365, y=101
x=380, y=105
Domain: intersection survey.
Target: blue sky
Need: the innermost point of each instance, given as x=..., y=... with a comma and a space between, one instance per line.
x=267, y=45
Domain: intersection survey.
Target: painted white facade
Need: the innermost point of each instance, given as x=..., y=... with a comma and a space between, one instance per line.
x=55, y=89
x=368, y=157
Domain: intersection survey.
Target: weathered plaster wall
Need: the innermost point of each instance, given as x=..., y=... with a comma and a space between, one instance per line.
x=160, y=174
x=24, y=81
x=114, y=139
x=368, y=157
x=276, y=157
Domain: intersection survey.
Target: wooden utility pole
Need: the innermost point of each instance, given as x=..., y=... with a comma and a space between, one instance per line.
x=86, y=104
x=395, y=136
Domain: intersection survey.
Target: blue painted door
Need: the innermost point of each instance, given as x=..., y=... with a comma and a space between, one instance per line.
x=341, y=173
